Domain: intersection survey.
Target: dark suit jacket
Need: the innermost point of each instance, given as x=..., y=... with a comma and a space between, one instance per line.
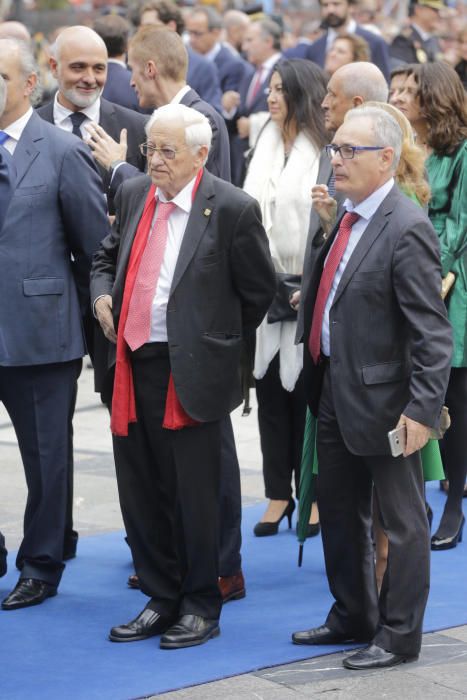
x=223, y=284
x=378, y=47
x=7, y=182
x=113, y=119
x=405, y=46
x=219, y=155
x=230, y=69
x=203, y=77
x=390, y=338
x=54, y=224
x=117, y=87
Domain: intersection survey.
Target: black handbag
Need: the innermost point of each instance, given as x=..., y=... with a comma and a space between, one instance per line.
x=280, y=309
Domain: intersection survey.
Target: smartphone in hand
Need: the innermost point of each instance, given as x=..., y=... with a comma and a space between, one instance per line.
x=397, y=440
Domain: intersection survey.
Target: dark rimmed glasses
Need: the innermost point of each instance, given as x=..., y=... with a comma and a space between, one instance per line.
x=348, y=152
x=147, y=149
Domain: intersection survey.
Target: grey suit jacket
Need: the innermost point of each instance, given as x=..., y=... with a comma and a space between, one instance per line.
x=390, y=338
x=52, y=227
x=223, y=285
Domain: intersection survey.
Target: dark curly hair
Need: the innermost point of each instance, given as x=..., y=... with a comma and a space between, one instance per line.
x=304, y=88
x=443, y=103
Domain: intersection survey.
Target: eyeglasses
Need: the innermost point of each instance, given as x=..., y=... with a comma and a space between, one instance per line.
x=147, y=149
x=348, y=152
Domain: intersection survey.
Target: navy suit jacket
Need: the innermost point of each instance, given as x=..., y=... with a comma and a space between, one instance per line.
x=117, y=87
x=203, y=78
x=53, y=226
x=7, y=182
x=378, y=47
x=231, y=69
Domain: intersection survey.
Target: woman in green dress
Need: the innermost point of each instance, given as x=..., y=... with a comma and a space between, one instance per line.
x=434, y=101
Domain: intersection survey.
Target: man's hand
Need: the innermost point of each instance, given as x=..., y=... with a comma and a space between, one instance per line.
x=325, y=206
x=417, y=434
x=294, y=300
x=105, y=150
x=103, y=311
x=243, y=127
x=230, y=100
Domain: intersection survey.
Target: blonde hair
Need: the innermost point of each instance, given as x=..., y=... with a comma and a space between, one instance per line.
x=410, y=173
x=164, y=47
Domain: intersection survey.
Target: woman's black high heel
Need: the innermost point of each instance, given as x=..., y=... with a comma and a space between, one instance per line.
x=439, y=543
x=271, y=528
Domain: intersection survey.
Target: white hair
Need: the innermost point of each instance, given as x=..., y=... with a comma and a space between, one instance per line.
x=26, y=62
x=363, y=79
x=198, y=130
x=386, y=130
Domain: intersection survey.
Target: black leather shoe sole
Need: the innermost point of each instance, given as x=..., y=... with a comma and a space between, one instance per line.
x=157, y=630
x=396, y=660
x=192, y=642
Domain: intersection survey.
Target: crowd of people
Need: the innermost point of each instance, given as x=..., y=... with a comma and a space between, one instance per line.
x=203, y=204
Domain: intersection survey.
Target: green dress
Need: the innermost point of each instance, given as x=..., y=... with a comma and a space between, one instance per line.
x=447, y=176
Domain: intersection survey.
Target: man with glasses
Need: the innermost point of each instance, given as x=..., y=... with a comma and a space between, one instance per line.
x=184, y=275
x=376, y=355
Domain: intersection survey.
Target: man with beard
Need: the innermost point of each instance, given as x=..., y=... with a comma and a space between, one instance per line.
x=336, y=19
x=79, y=64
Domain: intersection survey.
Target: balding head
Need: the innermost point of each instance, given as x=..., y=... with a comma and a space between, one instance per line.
x=79, y=63
x=235, y=25
x=14, y=30
x=350, y=86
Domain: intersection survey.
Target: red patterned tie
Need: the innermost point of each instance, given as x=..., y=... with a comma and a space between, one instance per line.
x=138, y=323
x=256, y=84
x=329, y=270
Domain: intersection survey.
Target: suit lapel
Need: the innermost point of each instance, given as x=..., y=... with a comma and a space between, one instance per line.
x=196, y=226
x=130, y=229
x=26, y=150
x=371, y=233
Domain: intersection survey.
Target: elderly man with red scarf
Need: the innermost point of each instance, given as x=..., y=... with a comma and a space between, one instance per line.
x=185, y=274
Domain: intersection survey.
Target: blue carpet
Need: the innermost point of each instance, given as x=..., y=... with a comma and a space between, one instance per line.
x=59, y=649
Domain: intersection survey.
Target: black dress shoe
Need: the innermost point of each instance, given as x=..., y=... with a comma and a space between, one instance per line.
x=189, y=631
x=27, y=592
x=265, y=529
x=148, y=623
x=3, y=554
x=320, y=635
x=375, y=657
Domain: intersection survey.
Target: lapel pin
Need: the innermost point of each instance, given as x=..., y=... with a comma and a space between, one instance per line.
x=207, y=212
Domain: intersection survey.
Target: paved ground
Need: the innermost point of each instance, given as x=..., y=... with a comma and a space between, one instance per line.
x=441, y=672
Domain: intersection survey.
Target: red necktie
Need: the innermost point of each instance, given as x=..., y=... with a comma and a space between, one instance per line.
x=256, y=84
x=329, y=270
x=138, y=323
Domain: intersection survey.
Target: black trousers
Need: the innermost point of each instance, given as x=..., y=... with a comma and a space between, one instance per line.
x=38, y=400
x=230, y=535
x=345, y=481
x=168, y=482
x=281, y=418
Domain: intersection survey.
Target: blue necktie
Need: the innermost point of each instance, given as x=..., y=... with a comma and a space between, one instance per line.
x=3, y=137
x=77, y=118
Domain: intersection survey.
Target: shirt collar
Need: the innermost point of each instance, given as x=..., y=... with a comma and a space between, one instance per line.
x=350, y=28
x=180, y=94
x=61, y=113
x=368, y=207
x=211, y=55
x=423, y=34
x=270, y=63
x=16, y=128
x=183, y=199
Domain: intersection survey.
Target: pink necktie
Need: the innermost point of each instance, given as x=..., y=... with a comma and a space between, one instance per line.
x=256, y=84
x=327, y=276
x=138, y=324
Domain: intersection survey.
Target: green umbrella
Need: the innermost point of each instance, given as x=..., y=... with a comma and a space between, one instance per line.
x=308, y=472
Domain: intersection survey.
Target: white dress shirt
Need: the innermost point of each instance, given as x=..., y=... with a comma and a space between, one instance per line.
x=14, y=131
x=176, y=231
x=63, y=121
x=366, y=211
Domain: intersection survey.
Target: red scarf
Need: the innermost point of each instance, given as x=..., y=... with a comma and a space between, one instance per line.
x=123, y=400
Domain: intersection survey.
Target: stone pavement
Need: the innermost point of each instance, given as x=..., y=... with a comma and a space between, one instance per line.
x=440, y=674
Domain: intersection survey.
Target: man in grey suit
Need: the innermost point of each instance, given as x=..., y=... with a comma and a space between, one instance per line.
x=377, y=354
x=212, y=281
x=52, y=227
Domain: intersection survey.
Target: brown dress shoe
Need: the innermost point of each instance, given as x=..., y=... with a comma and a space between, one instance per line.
x=133, y=581
x=232, y=587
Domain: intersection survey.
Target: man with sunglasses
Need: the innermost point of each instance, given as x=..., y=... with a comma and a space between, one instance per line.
x=185, y=274
x=376, y=355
